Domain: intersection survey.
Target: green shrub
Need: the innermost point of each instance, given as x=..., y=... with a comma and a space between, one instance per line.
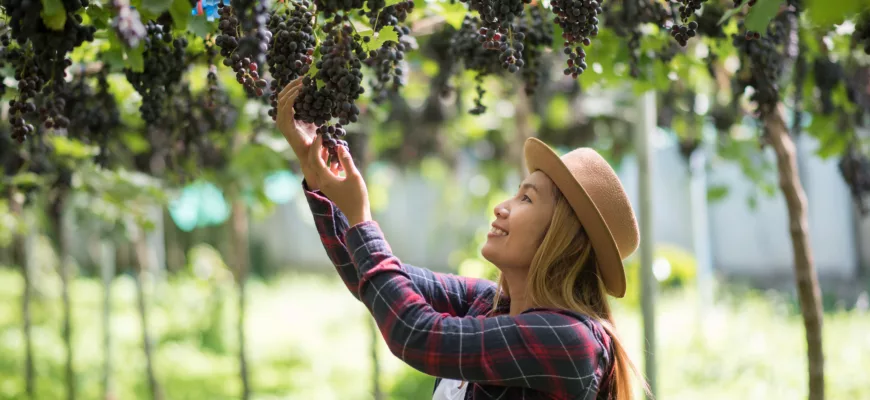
x=679, y=265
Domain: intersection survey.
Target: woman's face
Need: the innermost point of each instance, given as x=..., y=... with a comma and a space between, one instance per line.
x=520, y=224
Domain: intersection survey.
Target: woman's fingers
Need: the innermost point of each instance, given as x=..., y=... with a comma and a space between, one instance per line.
x=296, y=83
x=315, y=156
x=346, y=161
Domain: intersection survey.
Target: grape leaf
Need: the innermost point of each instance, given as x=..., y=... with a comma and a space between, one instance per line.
x=730, y=13
x=27, y=179
x=158, y=6
x=453, y=14
x=387, y=33
x=99, y=16
x=201, y=26
x=64, y=146
x=180, y=12
x=115, y=54
x=716, y=192
x=827, y=13
x=135, y=59
x=53, y=14
x=761, y=13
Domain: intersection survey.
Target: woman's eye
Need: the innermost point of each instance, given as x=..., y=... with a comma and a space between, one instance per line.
x=525, y=197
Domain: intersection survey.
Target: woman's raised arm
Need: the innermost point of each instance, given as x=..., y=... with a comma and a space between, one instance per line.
x=446, y=293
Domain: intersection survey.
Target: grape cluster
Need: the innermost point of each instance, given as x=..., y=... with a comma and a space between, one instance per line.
x=465, y=48
x=330, y=7
x=94, y=113
x=336, y=85
x=386, y=65
x=46, y=57
x=827, y=74
x=387, y=62
x=164, y=64
x=855, y=168
x=861, y=35
x=127, y=23
x=708, y=22
x=30, y=83
x=537, y=30
x=683, y=31
x=240, y=52
x=339, y=72
x=252, y=16
x=381, y=15
x=292, y=48
x=579, y=22
x=761, y=63
x=626, y=19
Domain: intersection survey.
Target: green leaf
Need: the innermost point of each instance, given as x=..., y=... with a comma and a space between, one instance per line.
x=730, y=13
x=716, y=193
x=387, y=33
x=53, y=14
x=453, y=14
x=114, y=56
x=201, y=27
x=254, y=162
x=157, y=6
x=832, y=141
x=99, y=16
x=761, y=13
x=180, y=12
x=66, y=147
x=827, y=13
x=135, y=59
x=26, y=179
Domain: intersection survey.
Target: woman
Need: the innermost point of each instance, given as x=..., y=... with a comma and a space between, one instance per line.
x=545, y=331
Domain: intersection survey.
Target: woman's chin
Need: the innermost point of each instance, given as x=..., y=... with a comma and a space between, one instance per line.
x=487, y=251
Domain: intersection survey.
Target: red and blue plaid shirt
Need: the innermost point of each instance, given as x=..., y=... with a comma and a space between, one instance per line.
x=443, y=324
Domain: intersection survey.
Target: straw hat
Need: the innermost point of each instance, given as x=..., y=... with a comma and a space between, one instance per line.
x=595, y=193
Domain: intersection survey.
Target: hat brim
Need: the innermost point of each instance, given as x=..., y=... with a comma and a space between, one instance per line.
x=541, y=157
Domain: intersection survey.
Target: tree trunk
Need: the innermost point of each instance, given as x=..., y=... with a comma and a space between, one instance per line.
x=25, y=259
x=142, y=257
x=107, y=267
x=805, y=273
x=57, y=216
x=240, y=244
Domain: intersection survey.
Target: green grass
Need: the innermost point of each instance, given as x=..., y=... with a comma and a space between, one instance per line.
x=309, y=339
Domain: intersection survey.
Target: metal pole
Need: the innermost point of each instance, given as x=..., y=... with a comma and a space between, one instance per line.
x=645, y=127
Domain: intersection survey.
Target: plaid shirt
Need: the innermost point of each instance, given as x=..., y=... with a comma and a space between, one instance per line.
x=443, y=325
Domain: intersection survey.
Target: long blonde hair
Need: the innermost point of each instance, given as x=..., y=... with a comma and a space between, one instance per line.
x=564, y=275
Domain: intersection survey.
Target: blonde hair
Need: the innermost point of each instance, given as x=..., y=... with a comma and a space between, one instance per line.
x=564, y=275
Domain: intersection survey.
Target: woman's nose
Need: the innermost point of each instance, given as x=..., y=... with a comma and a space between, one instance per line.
x=501, y=211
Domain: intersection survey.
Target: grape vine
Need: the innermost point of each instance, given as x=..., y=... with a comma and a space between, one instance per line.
x=243, y=52
x=165, y=64
x=292, y=48
x=579, y=22
x=40, y=60
x=855, y=168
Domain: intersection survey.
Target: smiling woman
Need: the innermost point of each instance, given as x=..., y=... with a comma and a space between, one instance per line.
x=544, y=330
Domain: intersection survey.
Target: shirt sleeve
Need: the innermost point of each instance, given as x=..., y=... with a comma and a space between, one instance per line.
x=546, y=350
x=447, y=293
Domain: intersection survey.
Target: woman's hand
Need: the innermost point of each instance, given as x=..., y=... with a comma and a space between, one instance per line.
x=299, y=134
x=348, y=192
